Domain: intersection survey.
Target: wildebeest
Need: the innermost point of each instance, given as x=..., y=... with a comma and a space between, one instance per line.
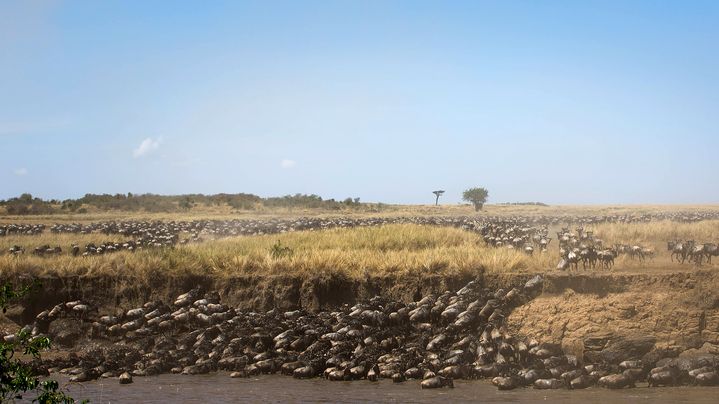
x=677, y=250
x=16, y=250
x=606, y=258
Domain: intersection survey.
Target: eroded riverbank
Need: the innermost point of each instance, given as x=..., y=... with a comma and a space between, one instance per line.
x=499, y=326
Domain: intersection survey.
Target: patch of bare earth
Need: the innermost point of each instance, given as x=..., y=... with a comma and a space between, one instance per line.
x=672, y=313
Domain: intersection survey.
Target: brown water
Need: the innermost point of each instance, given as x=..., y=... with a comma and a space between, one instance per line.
x=220, y=388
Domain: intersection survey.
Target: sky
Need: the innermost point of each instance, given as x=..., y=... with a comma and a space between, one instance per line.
x=562, y=102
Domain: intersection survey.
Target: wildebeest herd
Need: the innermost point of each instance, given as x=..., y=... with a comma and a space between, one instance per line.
x=526, y=234
x=435, y=340
x=689, y=250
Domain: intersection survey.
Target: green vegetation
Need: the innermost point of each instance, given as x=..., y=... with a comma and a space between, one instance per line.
x=17, y=377
x=477, y=196
x=278, y=250
x=26, y=204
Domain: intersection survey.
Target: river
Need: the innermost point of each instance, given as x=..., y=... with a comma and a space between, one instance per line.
x=220, y=388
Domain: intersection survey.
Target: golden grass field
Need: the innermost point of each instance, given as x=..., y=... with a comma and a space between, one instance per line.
x=355, y=253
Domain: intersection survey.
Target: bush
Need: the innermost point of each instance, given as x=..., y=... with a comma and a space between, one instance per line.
x=16, y=376
x=278, y=250
x=25, y=204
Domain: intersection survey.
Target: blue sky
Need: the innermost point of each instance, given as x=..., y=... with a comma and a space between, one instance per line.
x=556, y=101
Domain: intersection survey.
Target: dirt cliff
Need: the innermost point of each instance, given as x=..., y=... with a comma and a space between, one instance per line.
x=590, y=315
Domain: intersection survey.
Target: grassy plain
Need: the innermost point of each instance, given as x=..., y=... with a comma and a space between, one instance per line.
x=354, y=253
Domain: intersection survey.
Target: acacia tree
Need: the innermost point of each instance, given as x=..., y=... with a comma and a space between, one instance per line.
x=437, y=194
x=477, y=196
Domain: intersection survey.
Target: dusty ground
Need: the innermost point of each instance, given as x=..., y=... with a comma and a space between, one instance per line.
x=679, y=311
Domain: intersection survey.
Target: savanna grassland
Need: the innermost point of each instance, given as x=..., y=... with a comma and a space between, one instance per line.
x=354, y=252
x=677, y=304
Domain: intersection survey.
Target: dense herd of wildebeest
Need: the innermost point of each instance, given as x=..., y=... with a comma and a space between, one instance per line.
x=435, y=340
x=528, y=234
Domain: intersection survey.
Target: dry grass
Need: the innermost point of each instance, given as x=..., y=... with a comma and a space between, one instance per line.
x=655, y=235
x=355, y=253
x=658, y=233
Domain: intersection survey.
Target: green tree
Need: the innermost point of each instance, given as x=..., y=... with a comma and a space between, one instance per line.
x=476, y=196
x=187, y=203
x=17, y=376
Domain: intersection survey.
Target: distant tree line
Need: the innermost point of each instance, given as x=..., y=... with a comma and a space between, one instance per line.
x=26, y=204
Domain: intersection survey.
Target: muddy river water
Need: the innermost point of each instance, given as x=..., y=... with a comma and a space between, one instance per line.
x=220, y=388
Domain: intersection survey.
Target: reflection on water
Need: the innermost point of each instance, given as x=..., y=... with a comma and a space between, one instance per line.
x=220, y=388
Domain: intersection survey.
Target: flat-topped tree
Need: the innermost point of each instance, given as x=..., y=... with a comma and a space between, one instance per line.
x=477, y=196
x=437, y=194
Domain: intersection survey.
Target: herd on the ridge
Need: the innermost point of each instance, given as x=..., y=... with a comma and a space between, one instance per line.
x=526, y=234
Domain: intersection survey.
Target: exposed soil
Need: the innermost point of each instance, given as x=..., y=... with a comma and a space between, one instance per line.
x=584, y=313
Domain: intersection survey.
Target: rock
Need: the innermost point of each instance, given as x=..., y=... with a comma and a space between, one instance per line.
x=66, y=332
x=85, y=376
x=630, y=348
x=651, y=358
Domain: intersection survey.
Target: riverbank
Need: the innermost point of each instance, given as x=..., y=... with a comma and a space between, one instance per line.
x=583, y=313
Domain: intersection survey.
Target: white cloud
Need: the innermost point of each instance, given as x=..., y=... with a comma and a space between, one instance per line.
x=286, y=163
x=147, y=146
x=20, y=171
